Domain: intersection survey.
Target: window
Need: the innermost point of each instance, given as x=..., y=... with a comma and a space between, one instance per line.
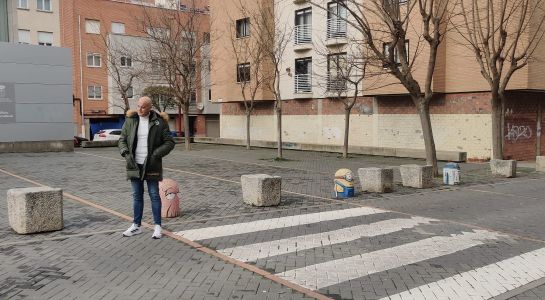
x=24, y=36
x=336, y=72
x=126, y=61
x=243, y=72
x=303, y=75
x=45, y=38
x=158, y=65
x=92, y=26
x=130, y=92
x=158, y=32
x=336, y=20
x=243, y=27
x=303, y=16
x=93, y=60
x=303, y=26
x=23, y=4
x=44, y=5
x=118, y=28
x=193, y=98
x=94, y=92
x=386, y=51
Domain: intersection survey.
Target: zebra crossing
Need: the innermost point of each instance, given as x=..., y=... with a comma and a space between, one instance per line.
x=340, y=249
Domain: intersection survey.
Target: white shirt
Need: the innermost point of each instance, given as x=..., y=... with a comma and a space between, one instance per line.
x=142, y=140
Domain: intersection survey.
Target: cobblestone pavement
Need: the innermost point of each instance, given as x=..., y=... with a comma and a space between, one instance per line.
x=480, y=240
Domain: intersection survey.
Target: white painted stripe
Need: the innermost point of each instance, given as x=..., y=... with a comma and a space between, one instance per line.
x=488, y=281
x=255, y=226
x=340, y=270
x=256, y=251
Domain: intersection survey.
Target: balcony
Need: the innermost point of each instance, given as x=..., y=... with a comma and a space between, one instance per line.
x=303, y=37
x=336, y=32
x=303, y=83
x=335, y=85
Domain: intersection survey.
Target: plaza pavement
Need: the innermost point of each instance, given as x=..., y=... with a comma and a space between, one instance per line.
x=483, y=239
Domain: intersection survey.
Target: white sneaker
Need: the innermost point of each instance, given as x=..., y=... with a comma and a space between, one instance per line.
x=157, y=232
x=133, y=230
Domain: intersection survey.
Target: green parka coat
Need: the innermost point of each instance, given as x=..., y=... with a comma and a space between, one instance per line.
x=160, y=143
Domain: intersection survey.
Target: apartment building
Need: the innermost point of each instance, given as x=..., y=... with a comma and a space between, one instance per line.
x=384, y=117
x=86, y=28
x=33, y=22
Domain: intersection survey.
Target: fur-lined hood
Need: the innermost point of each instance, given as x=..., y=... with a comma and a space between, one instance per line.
x=131, y=113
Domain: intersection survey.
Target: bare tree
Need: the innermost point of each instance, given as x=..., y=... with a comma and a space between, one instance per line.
x=161, y=97
x=348, y=76
x=177, y=46
x=249, y=54
x=503, y=35
x=275, y=36
x=122, y=69
x=386, y=26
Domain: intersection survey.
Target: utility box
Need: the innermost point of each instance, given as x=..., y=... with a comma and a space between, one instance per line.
x=451, y=174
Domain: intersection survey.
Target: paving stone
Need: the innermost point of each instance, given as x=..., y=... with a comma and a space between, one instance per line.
x=105, y=265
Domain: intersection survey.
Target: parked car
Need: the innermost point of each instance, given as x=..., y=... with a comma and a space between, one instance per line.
x=78, y=140
x=107, y=135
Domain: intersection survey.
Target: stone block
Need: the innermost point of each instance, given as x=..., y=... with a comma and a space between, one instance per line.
x=504, y=168
x=417, y=176
x=36, y=209
x=261, y=189
x=376, y=180
x=540, y=163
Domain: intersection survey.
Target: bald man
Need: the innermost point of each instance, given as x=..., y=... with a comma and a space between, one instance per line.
x=145, y=139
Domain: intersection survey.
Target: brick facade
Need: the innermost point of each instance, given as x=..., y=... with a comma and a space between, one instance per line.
x=73, y=15
x=521, y=122
x=521, y=134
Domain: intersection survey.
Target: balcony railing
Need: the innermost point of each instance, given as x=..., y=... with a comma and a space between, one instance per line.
x=336, y=84
x=303, y=83
x=336, y=28
x=303, y=34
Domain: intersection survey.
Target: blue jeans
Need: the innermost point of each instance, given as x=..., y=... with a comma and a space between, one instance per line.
x=138, y=200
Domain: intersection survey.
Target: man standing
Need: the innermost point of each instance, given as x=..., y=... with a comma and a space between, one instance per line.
x=145, y=139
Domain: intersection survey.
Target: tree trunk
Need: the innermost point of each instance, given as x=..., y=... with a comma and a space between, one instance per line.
x=279, y=131
x=497, y=137
x=346, y=131
x=186, y=128
x=179, y=121
x=127, y=105
x=431, y=155
x=248, y=115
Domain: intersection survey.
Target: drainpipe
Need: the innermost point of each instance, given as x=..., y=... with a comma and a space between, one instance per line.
x=81, y=80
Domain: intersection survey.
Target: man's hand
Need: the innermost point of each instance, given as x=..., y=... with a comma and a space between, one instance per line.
x=124, y=153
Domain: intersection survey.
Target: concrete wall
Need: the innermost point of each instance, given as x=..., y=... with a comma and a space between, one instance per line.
x=37, y=101
x=464, y=133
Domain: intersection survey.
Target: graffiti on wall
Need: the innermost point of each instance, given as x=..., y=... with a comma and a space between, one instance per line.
x=516, y=133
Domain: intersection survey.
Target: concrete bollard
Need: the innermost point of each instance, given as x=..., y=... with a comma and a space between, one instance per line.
x=36, y=209
x=540, y=163
x=376, y=180
x=505, y=168
x=417, y=176
x=261, y=189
